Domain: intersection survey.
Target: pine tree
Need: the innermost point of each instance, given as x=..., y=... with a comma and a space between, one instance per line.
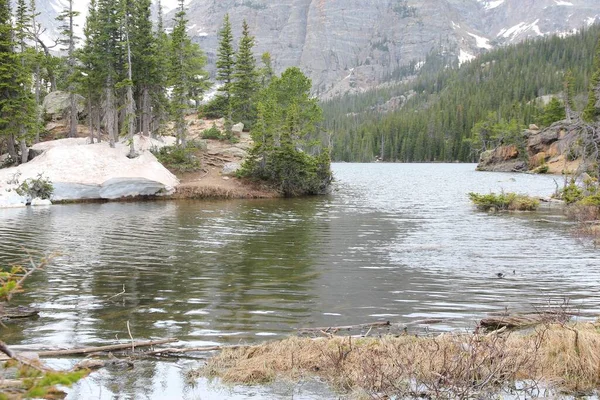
x=37, y=69
x=109, y=55
x=25, y=116
x=554, y=111
x=245, y=80
x=285, y=151
x=89, y=74
x=225, y=62
x=569, y=94
x=144, y=60
x=187, y=63
x=159, y=100
x=266, y=71
x=129, y=124
x=66, y=17
x=591, y=113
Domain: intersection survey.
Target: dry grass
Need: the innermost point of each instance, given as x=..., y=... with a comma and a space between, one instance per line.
x=457, y=366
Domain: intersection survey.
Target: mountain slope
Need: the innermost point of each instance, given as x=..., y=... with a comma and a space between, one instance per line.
x=351, y=45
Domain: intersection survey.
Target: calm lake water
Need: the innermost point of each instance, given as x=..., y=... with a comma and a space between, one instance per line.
x=397, y=242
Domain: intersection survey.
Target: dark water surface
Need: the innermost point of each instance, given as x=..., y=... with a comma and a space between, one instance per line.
x=398, y=242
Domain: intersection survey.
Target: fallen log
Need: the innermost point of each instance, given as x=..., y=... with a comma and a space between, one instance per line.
x=100, y=349
x=520, y=321
x=18, y=312
x=179, y=350
x=379, y=324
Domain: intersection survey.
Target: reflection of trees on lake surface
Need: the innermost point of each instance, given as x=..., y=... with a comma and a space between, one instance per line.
x=199, y=271
x=189, y=269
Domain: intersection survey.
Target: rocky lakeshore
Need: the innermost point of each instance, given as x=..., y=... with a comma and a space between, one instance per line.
x=80, y=171
x=545, y=151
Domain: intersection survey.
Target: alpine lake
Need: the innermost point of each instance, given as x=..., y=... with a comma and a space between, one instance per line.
x=392, y=242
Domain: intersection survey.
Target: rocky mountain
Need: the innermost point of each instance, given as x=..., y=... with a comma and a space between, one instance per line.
x=352, y=45
x=349, y=45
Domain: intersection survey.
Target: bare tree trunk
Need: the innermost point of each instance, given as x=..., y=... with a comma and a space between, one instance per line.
x=90, y=119
x=24, y=151
x=110, y=117
x=146, y=113
x=130, y=102
x=96, y=123
x=72, y=113
x=12, y=152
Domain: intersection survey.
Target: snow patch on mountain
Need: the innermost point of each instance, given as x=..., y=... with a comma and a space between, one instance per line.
x=563, y=3
x=482, y=42
x=489, y=5
x=464, y=57
x=515, y=31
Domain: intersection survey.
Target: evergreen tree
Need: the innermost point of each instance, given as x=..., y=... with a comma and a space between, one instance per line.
x=245, y=80
x=129, y=124
x=225, y=63
x=569, y=94
x=89, y=74
x=24, y=117
x=554, y=111
x=187, y=63
x=145, y=63
x=159, y=100
x=591, y=113
x=266, y=71
x=108, y=40
x=66, y=17
x=286, y=150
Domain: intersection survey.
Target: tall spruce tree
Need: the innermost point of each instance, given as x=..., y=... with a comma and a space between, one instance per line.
x=108, y=25
x=187, y=63
x=68, y=40
x=130, y=120
x=591, y=113
x=37, y=69
x=144, y=56
x=90, y=74
x=568, y=95
x=266, y=71
x=25, y=117
x=225, y=62
x=159, y=100
x=245, y=80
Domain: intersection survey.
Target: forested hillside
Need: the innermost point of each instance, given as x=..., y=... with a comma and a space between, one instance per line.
x=431, y=117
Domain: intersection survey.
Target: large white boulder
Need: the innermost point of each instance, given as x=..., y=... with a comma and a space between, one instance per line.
x=84, y=171
x=11, y=199
x=56, y=103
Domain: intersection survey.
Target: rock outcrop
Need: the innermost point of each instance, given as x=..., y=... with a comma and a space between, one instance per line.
x=79, y=171
x=547, y=147
x=56, y=103
x=501, y=159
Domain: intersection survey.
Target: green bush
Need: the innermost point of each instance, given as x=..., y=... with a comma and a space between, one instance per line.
x=39, y=187
x=214, y=109
x=571, y=193
x=593, y=200
x=212, y=133
x=178, y=158
x=504, y=202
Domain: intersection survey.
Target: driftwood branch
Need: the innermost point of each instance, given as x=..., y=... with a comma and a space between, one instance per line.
x=99, y=349
x=35, y=364
x=380, y=324
x=180, y=350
